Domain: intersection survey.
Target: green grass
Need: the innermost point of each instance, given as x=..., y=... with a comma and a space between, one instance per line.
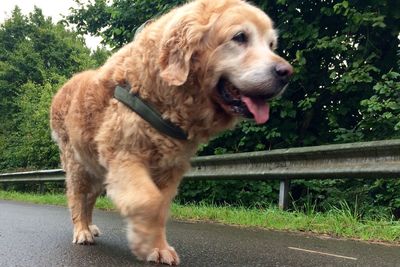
x=339, y=222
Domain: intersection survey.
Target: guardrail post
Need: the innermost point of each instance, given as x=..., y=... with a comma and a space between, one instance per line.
x=284, y=189
x=41, y=188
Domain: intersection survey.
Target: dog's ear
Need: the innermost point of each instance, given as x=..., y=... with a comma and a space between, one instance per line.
x=177, y=46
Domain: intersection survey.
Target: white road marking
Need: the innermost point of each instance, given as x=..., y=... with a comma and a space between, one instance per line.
x=323, y=253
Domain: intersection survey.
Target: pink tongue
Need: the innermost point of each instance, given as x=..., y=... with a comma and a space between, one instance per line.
x=258, y=107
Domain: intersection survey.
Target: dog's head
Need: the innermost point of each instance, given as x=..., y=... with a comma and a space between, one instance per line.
x=229, y=44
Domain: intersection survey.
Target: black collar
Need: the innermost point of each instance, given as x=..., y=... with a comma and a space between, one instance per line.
x=148, y=113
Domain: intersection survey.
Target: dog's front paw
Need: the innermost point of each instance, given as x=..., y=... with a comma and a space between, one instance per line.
x=162, y=253
x=83, y=237
x=166, y=256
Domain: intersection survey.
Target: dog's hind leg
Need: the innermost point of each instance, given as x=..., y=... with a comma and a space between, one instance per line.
x=82, y=191
x=145, y=207
x=91, y=201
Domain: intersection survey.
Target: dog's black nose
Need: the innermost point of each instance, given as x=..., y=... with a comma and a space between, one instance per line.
x=283, y=71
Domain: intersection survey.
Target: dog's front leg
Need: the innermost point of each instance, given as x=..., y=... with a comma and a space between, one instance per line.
x=145, y=207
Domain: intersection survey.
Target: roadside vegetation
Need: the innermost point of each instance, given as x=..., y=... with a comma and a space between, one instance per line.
x=339, y=222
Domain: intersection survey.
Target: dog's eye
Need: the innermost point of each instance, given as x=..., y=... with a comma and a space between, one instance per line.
x=271, y=45
x=240, y=37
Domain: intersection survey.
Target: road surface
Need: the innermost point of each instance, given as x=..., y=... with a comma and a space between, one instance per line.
x=37, y=235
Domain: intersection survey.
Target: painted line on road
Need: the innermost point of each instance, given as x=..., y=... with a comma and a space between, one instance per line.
x=323, y=253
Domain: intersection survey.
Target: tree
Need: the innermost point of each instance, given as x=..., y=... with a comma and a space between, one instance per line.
x=36, y=57
x=117, y=21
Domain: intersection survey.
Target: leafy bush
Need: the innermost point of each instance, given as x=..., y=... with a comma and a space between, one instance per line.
x=240, y=193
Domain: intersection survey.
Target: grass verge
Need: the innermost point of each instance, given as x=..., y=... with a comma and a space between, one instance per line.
x=336, y=223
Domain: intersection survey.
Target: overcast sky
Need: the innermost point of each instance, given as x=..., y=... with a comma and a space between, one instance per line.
x=50, y=8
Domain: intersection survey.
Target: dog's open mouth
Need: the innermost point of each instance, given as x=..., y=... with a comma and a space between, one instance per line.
x=255, y=107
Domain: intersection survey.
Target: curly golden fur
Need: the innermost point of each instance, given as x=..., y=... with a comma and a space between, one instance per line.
x=175, y=64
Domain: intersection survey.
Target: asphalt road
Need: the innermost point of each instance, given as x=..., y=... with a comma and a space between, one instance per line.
x=37, y=235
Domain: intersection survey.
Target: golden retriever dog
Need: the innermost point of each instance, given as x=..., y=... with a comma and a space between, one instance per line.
x=201, y=66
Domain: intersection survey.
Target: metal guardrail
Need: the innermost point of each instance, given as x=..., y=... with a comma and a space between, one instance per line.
x=34, y=176
x=377, y=159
